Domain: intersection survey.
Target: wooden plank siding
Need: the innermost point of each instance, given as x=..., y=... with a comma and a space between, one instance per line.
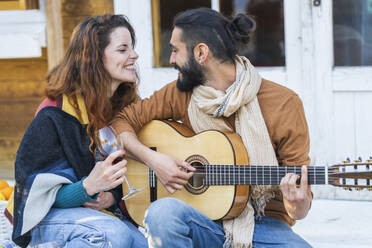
x=54, y=32
x=21, y=89
x=352, y=125
x=74, y=11
x=22, y=80
x=63, y=16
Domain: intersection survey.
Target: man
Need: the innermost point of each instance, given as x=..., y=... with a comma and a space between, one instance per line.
x=217, y=89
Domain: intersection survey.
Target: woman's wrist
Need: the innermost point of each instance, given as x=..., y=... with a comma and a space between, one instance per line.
x=88, y=189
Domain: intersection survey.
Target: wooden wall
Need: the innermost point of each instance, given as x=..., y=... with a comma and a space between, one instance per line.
x=21, y=89
x=74, y=11
x=22, y=80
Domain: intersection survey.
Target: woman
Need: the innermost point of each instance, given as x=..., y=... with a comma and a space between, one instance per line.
x=59, y=185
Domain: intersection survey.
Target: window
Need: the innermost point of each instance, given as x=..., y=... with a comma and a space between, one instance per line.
x=19, y=4
x=352, y=32
x=163, y=12
x=267, y=43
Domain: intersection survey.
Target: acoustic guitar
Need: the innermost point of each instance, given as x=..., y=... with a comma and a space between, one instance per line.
x=220, y=185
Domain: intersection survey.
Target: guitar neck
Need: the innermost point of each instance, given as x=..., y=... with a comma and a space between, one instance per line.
x=258, y=175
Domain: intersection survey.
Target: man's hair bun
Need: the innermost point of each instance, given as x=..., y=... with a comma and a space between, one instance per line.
x=241, y=27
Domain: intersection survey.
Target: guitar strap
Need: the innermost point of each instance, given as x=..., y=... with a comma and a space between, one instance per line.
x=206, y=106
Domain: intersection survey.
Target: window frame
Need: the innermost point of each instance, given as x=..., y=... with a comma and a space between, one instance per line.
x=22, y=32
x=275, y=73
x=155, y=17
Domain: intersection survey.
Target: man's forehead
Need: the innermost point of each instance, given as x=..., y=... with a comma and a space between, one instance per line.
x=176, y=34
x=176, y=37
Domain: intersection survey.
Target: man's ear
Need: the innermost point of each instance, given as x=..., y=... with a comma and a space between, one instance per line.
x=201, y=52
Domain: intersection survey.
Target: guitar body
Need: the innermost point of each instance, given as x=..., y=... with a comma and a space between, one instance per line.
x=209, y=147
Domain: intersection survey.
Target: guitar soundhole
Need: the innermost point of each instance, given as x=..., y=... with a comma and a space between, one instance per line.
x=196, y=183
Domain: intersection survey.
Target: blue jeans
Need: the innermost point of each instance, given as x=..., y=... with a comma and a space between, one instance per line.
x=173, y=223
x=84, y=227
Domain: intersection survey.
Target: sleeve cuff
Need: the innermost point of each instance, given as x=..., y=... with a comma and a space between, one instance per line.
x=73, y=195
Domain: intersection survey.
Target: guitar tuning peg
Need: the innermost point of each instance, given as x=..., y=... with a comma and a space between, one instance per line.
x=347, y=188
x=358, y=188
x=347, y=161
x=360, y=159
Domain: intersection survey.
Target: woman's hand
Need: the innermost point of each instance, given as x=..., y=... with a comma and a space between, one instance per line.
x=106, y=175
x=104, y=200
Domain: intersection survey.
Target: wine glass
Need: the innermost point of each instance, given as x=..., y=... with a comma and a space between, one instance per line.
x=110, y=144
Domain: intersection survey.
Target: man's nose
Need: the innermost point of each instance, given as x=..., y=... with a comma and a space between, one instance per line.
x=172, y=60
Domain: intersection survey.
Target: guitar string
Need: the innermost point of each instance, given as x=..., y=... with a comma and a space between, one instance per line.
x=266, y=166
x=319, y=170
x=261, y=179
x=256, y=166
x=261, y=169
x=314, y=176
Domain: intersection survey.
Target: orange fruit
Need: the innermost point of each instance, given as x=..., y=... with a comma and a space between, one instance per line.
x=7, y=192
x=2, y=197
x=3, y=184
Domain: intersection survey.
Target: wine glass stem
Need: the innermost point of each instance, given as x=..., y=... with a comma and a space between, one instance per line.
x=129, y=186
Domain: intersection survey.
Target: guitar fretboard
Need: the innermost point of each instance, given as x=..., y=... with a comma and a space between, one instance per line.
x=256, y=175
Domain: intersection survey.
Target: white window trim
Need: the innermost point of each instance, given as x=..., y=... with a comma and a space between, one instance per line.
x=215, y=4
x=356, y=78
x=22, y=32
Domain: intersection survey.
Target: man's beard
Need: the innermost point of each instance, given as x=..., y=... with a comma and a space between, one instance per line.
x=192, y=75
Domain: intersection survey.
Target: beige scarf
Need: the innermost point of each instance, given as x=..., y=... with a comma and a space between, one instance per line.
x=206, y=105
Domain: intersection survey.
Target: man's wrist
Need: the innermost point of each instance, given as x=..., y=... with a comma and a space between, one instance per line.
x=298, y=210
x=149, y=157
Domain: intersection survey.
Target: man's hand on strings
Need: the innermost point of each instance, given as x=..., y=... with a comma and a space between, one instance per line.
x=296, y=198
x=172, y=173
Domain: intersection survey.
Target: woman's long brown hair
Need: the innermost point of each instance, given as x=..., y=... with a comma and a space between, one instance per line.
x=82, y=72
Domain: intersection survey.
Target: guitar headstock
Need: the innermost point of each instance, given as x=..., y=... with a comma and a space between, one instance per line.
x=351, y=175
